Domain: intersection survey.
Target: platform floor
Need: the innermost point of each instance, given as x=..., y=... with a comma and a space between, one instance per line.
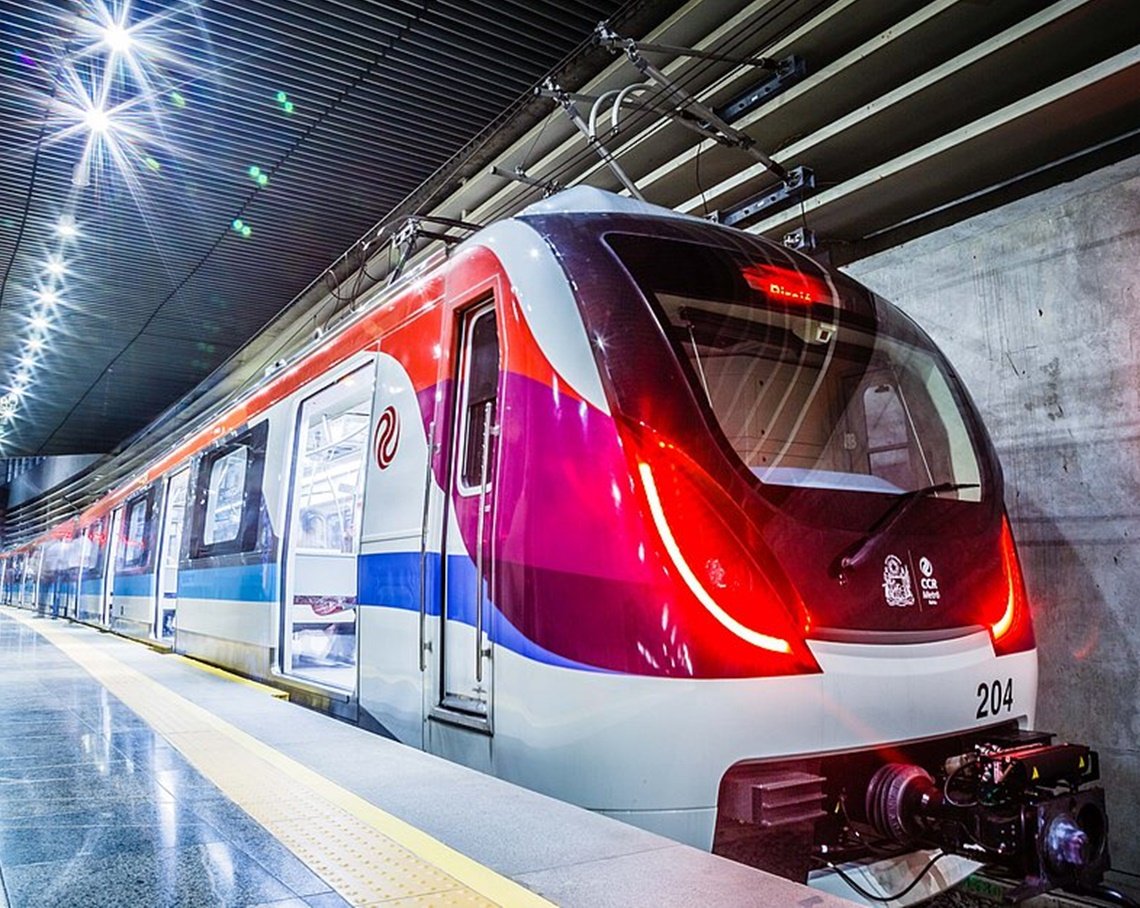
x=129, y=777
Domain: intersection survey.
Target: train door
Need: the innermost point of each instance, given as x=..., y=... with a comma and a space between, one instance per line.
x=73, y=569
x=30, y=596
x=113, y=539
x=88, y=568
x=319, y=615
x=9, y=577
x=166, y=589
x=17, y=579
x=465, y=677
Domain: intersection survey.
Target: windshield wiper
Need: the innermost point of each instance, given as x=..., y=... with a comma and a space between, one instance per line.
x=856, y=553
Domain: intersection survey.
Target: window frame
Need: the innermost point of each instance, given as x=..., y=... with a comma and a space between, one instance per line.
x=247, y=538
x=483, y=308
x=143, y=565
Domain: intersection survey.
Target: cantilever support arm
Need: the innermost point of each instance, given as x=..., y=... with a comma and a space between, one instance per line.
x=564, y=99
x=606, y=37
x=690, y=112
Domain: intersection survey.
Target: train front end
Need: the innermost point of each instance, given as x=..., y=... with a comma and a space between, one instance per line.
x=834, y=573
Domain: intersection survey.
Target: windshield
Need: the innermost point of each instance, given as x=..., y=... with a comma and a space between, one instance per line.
x=809, y=386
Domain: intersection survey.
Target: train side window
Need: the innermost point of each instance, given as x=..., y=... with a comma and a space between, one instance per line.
x=330, y=483
x=227, y=505
x=224, y=497
x=481, y=385
x=134, y=551
x=93, y=548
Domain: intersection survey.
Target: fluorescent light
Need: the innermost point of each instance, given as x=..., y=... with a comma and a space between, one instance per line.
x=65, y=227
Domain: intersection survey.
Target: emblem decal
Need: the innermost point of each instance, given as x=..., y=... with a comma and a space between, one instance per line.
x=928, y=583
x=387, y=437
x=897, y=588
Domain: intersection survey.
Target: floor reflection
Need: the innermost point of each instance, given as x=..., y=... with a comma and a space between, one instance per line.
x=96, y=809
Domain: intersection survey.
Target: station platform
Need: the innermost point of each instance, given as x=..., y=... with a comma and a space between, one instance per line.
x=130, y=777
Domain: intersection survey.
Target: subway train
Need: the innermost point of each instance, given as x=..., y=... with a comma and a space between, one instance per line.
x=647, y=513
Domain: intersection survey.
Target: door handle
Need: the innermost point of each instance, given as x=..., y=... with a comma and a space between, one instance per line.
x=487, y=414
x=424, y=546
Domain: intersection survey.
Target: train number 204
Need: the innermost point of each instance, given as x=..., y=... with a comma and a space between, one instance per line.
x=995, y=697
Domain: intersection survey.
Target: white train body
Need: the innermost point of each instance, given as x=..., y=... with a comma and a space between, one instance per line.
x=720, y=509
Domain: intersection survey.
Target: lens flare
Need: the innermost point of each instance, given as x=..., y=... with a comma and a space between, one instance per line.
x=117, y=38
x=66, y=229
x=123, y=69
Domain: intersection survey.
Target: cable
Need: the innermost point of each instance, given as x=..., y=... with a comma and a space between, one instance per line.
x=1108, y=894
x=950, y=778
x=697, y=177
x=898, y=895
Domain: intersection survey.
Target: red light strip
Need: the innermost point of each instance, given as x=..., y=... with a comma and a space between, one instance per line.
x=1002, y=626
x=764, y=641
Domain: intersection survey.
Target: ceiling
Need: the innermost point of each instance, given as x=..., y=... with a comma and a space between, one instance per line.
x=344, y=107
x=910, y=114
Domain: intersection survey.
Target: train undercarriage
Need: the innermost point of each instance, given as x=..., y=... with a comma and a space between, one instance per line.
x=1017, y=801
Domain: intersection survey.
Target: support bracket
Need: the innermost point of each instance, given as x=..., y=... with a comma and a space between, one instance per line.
x=795, y=182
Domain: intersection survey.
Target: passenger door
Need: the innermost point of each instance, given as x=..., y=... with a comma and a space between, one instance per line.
x=465, y=675
x=113, y=540
x=166, y=588
x=319, y=605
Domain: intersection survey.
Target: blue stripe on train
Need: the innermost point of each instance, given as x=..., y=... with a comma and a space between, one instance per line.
x=392, y=580
x=387, y=580
x=134, y=584
x=245, y=582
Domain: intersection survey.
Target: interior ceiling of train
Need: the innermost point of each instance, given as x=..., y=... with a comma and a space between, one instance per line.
x=180, y=176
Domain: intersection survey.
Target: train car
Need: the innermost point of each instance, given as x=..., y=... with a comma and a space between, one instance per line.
x=647, y=513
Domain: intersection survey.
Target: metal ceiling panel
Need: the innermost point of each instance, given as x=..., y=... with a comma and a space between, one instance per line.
x=344, y=107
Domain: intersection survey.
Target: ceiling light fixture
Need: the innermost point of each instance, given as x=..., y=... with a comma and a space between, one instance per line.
x=65, y=228
x=96, y=120
x=117, y=38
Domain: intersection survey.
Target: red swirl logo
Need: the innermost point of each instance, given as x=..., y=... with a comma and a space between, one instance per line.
x=387, y=437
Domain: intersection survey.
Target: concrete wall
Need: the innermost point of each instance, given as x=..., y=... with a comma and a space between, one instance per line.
x=1037, y=304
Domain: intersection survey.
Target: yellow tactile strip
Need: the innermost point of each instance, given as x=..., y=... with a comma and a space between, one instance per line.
x=275, y=692
x=368, y=856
